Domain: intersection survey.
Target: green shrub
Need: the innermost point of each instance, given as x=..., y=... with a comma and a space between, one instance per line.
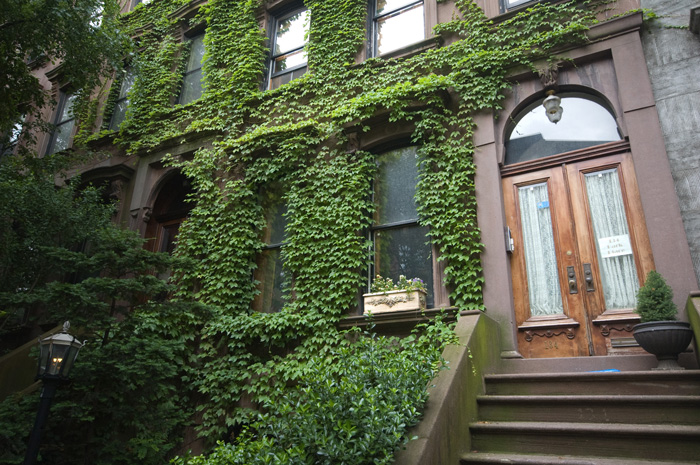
x=354, y=407
x=655, y=300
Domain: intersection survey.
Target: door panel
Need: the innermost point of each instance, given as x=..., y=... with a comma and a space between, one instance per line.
x=581, y=250
x=546, y=327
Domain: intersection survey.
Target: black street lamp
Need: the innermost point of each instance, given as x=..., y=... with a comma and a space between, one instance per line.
x=56, y=357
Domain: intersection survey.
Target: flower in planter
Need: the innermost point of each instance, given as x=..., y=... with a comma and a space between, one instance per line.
x=386, y=284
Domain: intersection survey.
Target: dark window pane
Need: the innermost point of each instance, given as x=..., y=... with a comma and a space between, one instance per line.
x=281, y=79
x=404, y=251
x=395, y=189
x=270, y=275
x=276, y=222
x=584, y=123
x=168, y=234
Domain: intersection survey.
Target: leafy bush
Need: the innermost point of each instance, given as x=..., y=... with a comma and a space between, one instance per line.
x=354, y=407
x=655, y=300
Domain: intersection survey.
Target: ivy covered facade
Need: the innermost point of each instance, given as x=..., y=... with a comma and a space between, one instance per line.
x=295, y=150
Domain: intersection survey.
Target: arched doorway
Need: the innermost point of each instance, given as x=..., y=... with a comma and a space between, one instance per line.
x=169, y=211
x=580, y=246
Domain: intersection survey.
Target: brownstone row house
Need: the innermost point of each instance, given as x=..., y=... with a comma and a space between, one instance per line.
x=574, y=207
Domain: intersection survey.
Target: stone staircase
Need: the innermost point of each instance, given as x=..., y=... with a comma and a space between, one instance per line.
x=601, y=418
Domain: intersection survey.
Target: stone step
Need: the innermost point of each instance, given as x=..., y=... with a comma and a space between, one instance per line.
x=476, y=458
x=633, y=409
x=685, y=383
x=611, y=440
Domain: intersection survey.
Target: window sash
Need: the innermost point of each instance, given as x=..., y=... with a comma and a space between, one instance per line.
x=279, y=71
x=192, y=88
x=63, y=121
x=270, y=272
x=400, y=245
x=386, y=17
x=122, y=102
x=510, y=4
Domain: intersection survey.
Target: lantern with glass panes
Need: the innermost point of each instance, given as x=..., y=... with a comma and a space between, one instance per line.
x=57, y=354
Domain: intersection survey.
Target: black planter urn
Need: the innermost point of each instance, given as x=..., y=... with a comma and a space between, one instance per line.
x=665, y=339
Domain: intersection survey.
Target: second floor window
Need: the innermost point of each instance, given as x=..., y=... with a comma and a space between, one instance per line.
x=395, y=24
x=287, y=54
x=510, y=4
x=192, y=82
x=63, y=124
x=119, y=112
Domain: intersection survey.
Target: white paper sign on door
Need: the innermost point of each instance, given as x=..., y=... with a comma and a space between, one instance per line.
x=614, y=246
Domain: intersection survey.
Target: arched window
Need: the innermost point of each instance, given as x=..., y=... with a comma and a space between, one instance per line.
x=585, y=122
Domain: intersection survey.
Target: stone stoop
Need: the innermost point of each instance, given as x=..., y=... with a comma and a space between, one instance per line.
x=603, y=418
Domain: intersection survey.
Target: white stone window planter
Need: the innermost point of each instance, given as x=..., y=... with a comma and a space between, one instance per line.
x=391, y=301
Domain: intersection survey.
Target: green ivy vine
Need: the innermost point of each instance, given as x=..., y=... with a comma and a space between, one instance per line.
x=299, y=136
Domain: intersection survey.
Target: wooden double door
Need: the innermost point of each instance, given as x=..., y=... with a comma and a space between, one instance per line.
x=580, y=253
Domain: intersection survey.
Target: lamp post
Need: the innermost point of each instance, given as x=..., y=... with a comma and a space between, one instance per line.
x=56, y=356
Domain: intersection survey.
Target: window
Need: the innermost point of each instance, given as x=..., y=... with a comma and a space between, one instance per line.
x=400, y=244
x=510, y=4
x=8, y=141
x=63, y=122
x=395, y=24
x=270, y=273
x=584, y=123
x=287, y=54
x=119, y=112
x=192, y=82
x=136, y=2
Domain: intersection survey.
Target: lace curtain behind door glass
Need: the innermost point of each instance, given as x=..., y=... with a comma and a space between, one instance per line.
x=618, y=272
x=540, y=256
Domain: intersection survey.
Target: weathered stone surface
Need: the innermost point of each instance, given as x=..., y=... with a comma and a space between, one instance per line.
x=673, y=58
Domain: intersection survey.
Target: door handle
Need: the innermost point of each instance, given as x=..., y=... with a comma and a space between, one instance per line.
x=571, y=276
x=590, y=287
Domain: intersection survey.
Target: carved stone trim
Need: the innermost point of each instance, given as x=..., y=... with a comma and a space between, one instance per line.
x=389, y=301
x=569, y=332
x=549, y=76
x=625, y=327
x=147, y=212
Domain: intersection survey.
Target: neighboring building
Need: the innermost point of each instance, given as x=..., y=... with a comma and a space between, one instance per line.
x=673, y=57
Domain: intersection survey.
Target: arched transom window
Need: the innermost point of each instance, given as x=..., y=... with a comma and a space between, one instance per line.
x=585, y=122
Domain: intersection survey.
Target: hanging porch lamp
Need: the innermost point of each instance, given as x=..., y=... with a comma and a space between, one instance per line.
x=552, y=105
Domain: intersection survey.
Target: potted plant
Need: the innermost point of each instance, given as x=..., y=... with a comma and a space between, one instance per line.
x=387, y=296
x=659, y=333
